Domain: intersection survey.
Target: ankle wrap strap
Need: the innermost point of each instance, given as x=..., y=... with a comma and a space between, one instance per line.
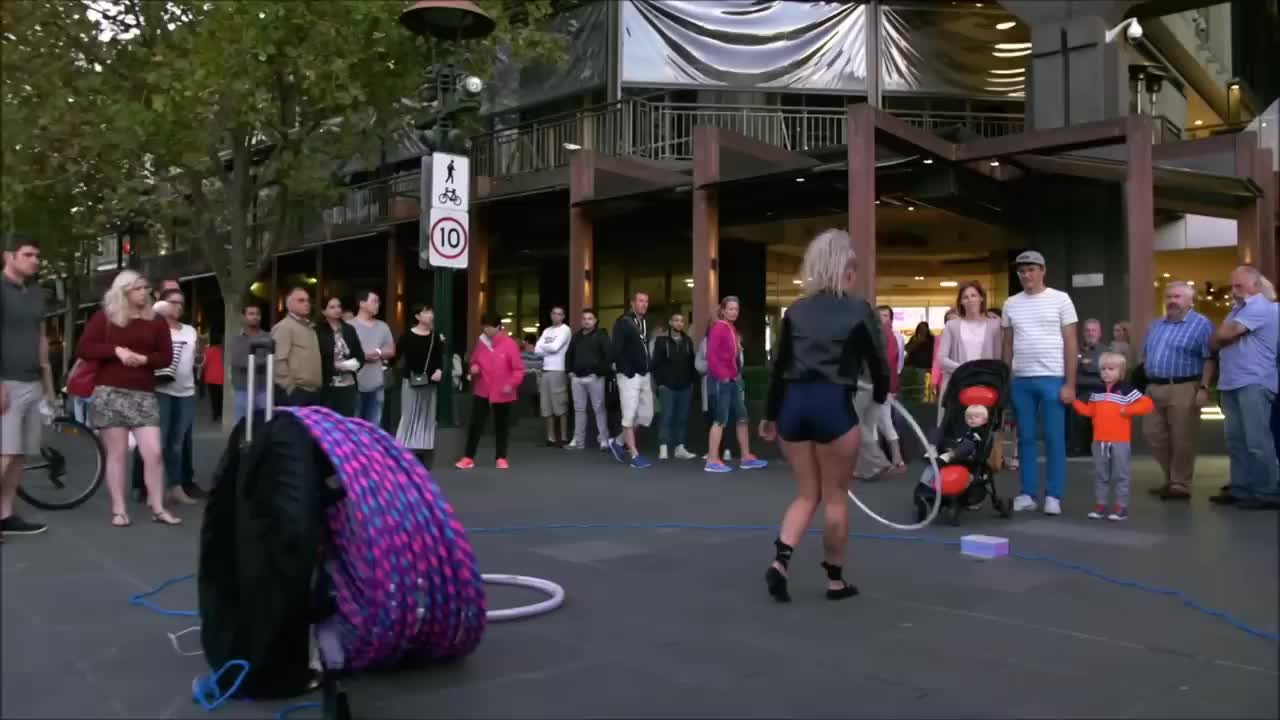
x=783, y=552
x=834, y=572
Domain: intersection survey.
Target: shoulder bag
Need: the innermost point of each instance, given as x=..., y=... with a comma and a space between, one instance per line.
x=423, y=379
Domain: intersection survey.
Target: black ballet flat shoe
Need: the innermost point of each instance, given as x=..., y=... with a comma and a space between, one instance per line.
x=777, y=583
x=847, y=591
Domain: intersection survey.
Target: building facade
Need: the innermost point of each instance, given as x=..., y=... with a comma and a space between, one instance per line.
x=691, y=148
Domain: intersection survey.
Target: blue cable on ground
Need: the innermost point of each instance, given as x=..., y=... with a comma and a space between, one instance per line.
x=205, y=690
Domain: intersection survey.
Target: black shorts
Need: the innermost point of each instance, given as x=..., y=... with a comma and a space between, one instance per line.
x=818, y=412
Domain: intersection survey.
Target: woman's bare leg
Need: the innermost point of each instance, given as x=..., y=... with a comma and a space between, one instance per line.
x=714, y=435
x=149, y=448
x=835, y=462
x=115, y=441
x=744, y=439
x=804, y=466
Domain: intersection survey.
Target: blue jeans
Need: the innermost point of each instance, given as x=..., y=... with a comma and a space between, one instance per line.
x=673, y=422
x=176, y=414
x=1250, y=445
x=240, y=402
x=371, y=402
x=1036, y=403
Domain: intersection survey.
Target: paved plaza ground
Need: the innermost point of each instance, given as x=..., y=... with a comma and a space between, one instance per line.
x=676, y=622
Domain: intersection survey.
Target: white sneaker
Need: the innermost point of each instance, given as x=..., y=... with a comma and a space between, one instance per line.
x=1052, y=506
x=728, y=456
x=682, y=454
x=1023, y=502
x=662, y=452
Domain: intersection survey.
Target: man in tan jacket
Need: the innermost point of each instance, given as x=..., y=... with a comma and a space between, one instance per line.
x=297, y=371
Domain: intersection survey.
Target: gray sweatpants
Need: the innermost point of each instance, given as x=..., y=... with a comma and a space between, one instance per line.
x=584, y=390
x=1111, y=467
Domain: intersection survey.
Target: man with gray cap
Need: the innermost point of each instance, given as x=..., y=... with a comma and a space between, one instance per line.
x=1041, y=349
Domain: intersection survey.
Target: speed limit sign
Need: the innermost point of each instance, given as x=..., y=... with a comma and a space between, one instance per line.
x=447, y=238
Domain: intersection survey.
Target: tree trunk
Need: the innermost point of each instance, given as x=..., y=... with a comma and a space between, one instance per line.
x=231, y=306
x=71, y=293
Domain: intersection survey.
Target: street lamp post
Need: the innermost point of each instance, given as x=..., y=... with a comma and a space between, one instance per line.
x=446, y=93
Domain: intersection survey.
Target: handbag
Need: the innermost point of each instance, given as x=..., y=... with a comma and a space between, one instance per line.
x=83, y=378
x=422, y=379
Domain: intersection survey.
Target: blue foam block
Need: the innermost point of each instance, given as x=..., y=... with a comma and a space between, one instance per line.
x=984, y=546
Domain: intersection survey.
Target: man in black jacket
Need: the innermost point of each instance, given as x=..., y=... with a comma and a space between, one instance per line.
x=587, y=362
x=674, y=373
x=635, y=393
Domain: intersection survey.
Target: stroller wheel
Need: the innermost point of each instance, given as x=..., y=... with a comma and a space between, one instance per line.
x=953, y=513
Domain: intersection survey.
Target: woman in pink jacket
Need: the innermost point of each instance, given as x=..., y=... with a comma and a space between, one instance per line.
x=496, y=374
x=724, y=389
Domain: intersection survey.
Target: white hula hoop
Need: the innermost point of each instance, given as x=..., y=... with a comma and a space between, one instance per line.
x=554, y=600
x=932, y=456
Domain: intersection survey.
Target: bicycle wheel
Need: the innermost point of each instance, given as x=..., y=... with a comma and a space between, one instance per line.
x=69, y=468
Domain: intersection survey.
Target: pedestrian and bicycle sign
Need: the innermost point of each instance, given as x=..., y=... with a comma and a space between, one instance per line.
x=448, y=238
x=443, y=240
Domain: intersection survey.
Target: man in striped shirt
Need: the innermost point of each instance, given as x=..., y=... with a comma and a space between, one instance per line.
x=1042, y=350
x=1179, y=366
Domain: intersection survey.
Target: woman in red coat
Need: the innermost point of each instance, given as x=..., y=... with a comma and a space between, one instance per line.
x=128, y=343
x=496, y=374
x=214, y=377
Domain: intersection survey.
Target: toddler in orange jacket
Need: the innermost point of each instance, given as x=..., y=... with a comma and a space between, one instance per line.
x=1111, y=411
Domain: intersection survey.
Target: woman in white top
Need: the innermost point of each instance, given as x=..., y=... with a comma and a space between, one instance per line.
x=176, y=394
x=972, y=336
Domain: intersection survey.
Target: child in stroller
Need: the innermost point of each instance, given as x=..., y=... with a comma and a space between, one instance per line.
x=972, y=415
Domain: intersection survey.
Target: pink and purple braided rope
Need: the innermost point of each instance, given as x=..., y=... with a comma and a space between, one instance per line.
x=408, y=587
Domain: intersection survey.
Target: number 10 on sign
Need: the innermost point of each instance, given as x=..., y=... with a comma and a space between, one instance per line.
x=448, y=241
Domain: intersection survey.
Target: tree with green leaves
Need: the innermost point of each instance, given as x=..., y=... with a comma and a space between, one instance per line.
x=238, y=116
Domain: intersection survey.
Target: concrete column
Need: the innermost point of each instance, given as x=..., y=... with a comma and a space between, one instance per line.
x=862, y=196
x=706, y=229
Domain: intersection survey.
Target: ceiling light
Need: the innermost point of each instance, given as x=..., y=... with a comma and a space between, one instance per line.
x=995, y=163
x=1164, y=275
x=1007, y=80
x=1005, y=25
x=1198, y=122
x=1011, y=54
x=799, y=179
x=948, y=283
x=877, y=202
x=1013, y=46
x=919, y=277
x=1020, y=94
x=571, y=146
x=928, y=161
x=797, y=282
x=1007, y=88
x=912, y=208
x=1011, y=71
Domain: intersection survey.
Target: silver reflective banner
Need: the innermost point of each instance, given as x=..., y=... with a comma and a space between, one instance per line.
x=937, y=48
x=744, y=44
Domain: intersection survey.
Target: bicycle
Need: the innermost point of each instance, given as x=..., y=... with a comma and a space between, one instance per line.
x=451, y=195
x=43, y=482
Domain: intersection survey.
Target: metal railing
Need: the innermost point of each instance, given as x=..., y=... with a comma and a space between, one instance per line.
x=369, y=203
x=664, y=131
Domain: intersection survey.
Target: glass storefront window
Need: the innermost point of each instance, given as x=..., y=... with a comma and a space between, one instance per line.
x=611, y=290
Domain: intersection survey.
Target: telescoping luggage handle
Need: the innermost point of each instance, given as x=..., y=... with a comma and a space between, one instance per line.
x=267, y=345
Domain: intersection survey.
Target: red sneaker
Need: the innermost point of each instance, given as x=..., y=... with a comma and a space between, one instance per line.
x=465, y=463
x=502, y=464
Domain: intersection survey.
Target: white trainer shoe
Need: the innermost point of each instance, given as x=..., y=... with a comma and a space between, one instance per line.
x=1052, y=506
x=682, y=454
x=662, y=452
x=1023, y=503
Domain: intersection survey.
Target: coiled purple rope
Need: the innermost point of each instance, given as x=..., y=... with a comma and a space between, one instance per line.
x=408, y=587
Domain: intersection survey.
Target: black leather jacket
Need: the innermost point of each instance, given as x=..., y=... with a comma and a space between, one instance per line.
x=827, y=338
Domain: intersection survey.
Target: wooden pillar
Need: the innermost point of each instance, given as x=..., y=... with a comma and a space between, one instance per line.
x=1251, y=218
x=393, y=297
x=706, y=229
x=477, y=279
x=582, y=246
x=862, y=196
x=1139, y=212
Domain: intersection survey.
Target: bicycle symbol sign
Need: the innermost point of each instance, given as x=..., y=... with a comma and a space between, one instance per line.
x=449, y=241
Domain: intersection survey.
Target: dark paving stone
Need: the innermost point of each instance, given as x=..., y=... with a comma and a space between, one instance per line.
x=675, y=621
